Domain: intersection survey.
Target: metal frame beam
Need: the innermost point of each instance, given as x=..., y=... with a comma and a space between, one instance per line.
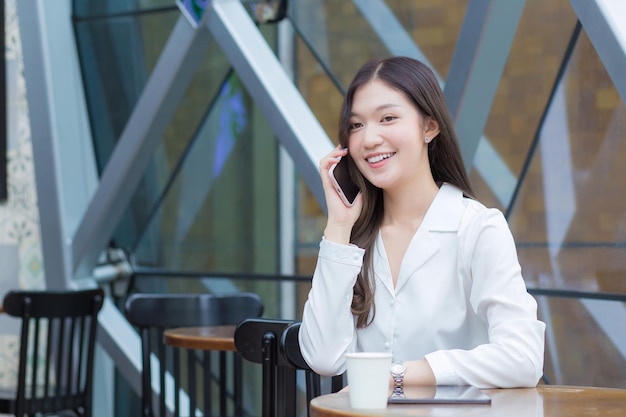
x=44, y=152
x=291, y=119
x=603, y=21
x=64, y=164
x=476, y=69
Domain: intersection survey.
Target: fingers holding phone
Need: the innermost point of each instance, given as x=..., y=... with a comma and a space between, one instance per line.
x=343, y=203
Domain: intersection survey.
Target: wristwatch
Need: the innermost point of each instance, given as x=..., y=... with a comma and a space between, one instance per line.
x=397, y=373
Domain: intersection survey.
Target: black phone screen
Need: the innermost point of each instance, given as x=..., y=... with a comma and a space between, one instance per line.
x=346, y=188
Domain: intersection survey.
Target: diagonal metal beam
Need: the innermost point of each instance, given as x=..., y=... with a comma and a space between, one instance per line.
x=479, y=57
x=604, y=23
x=291, y=119
x=142, y=133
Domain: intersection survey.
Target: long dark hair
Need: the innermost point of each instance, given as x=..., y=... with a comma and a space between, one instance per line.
x=418, y=83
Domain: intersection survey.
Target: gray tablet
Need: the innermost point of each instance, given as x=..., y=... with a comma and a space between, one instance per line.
x=440, y=394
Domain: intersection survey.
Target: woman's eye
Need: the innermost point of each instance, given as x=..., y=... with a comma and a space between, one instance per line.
x=388, y=118
x=355, y=125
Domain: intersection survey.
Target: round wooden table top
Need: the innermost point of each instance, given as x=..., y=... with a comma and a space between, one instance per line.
x=543, y=401
x=203, y=338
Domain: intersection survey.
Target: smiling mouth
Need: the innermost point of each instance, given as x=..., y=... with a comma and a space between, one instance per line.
x=379, y=158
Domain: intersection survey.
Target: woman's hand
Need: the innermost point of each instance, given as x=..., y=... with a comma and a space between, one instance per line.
x=341, y=218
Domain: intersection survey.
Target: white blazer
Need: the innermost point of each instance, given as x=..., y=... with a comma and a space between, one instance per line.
x=460, y=301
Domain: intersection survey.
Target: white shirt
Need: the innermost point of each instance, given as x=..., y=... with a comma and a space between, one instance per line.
x=460, y=301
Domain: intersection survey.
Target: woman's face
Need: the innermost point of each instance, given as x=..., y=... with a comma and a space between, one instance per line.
x=386, y=139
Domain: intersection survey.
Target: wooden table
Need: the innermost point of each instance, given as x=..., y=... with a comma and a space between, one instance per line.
x=221, y=338
x=543, y=401
x=212, y=338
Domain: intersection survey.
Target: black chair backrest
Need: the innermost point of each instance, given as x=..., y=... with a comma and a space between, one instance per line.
x=257, y=341
x=183, y=310
x=57, y=344
x=289, y=348
x=274, y=344
x=152, y=314
x=253, y=334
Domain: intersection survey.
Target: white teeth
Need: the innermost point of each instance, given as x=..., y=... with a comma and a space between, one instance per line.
x=379, y=158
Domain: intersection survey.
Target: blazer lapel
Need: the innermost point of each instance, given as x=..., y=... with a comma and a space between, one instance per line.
x=443, y=215
x=422, y=247
x=382, y=270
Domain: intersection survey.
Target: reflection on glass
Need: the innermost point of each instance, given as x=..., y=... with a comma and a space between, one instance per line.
x=569, y=221
x=205, y=162
x=220, y=212
x=576, y=328
x=538, y=49
x=558, y=181
x=117, y=55
x=338, y=35
x=573, y=198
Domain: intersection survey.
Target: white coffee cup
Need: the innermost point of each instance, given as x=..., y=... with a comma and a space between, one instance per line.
x=368, y=379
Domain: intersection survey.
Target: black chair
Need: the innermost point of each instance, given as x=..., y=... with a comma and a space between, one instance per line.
x=57, y=342
x=257, y=340
x=273, y=343
x=152, y=314
x=289, y=348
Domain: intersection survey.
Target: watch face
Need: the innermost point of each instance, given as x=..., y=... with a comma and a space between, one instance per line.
x=397, y=368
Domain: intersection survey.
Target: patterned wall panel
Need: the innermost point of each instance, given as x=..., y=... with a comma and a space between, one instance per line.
x=20, y=243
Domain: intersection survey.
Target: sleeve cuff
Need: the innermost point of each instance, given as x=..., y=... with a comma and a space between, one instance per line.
x=442, y=369
x=346, y=254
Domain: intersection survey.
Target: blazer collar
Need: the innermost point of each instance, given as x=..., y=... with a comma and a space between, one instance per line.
x=443, y=215
x=446, y=210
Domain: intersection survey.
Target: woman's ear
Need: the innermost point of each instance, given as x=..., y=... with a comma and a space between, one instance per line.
x=431, y=128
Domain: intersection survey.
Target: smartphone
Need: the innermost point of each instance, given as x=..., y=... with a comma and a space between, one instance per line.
x=340, y=177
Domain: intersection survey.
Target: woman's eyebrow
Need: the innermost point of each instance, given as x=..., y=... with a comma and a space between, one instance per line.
x=379, y=108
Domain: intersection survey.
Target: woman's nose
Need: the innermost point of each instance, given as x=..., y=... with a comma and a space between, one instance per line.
x=371, y=137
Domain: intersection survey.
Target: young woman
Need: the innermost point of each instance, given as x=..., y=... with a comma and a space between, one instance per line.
x=416, y=266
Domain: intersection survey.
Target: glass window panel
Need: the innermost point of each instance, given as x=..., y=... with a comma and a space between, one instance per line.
x=324, y=100
x=221, y=212
x=338, y=34
x=434, y=27
x=573, y=198
x=540, y=43
x=115, y=73
x=569, y=221
x=99, y=8
x=573, y=359
x=187, y=119
x=342, y=39
x=117, y=56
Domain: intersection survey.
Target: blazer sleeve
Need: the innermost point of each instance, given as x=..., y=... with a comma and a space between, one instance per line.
x=328, y=330
x=513, y=357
